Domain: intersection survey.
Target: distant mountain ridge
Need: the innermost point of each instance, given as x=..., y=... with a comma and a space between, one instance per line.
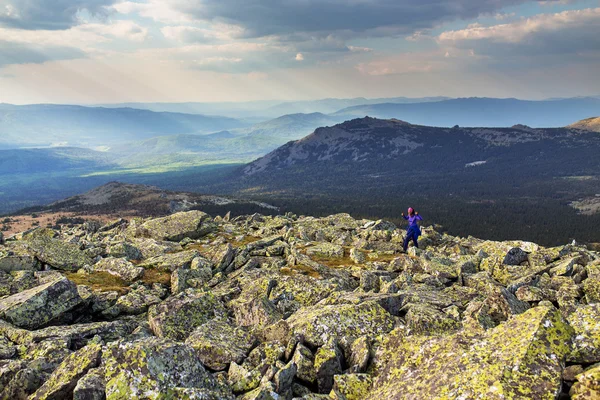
x=48, y=124
x=484, y=112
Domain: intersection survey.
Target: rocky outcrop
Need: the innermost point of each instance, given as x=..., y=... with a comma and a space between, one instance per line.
x=38, y=306
x=120, y=267
x=258, y=307
x=176, y=227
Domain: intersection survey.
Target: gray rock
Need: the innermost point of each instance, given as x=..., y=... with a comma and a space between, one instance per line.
x=178, y=316
x=154, y=368
x=119, y=267
x=515, y=256
x=63, y=380
x=60, y=255
x=91, y=386
x=328, y=363
x=36, y=307
x=176, y=227
x=218, y=344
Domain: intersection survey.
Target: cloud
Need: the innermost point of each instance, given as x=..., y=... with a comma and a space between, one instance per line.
x=569, y=32
x=49, y=14
x=376, y=17
x=299, y=57
x=193, y=34
x=22, y=53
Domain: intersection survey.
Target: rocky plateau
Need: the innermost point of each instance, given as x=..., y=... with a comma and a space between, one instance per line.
x=189, y=306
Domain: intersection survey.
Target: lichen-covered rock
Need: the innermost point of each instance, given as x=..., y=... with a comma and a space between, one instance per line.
x=360, y=353
x=172, y=261
x=184, y=278
x=125, y=250
x=37, y=306
x=119, y=267
x=265, y=355
x=156, y=368
x=91, y=386
x=284, y=378
x=258, y=311
x=63, y=380
x=9, y=261
x=326, y=250
x=328, y=362
x=178, y=316
x=305, y=363
x=138, y=300
x=318, y=324
x=241, y=379
x=587, y=386
x=520, y=359
x=424, y=319
x=351, y=386
x=218, y=344
x=176, y=227
x=585, y=321
x=153, y=248
x=60, y=255
x=591, y=288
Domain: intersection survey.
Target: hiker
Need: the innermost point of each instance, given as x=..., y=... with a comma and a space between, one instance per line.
x=413, y=232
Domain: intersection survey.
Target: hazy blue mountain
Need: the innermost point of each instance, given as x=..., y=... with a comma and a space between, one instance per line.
x=328, y=106
x=483, y=112
x=238, y=145
x=291, y=126
x=49, y=160
x=262, y=110
x=44, y=125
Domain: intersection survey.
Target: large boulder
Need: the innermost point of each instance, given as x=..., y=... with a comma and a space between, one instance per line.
x=586, y=341
x=178, y=316
x=520, y=359
x=63, y=380
x=154, y=368
x=172, y=261
x=218, y=344
x=119, y=267
x=38, y=306
x=344, y=323
x=176, y=227
x=58, y=254
x=10, y=261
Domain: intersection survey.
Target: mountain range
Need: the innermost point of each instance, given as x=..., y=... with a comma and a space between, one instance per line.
x=483, y=112
x=47, y=125
x=379, y=167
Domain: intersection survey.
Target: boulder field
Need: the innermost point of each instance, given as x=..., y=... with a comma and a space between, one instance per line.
x=254, y=307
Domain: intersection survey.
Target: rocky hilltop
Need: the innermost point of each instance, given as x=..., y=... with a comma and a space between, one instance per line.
x=192, y=307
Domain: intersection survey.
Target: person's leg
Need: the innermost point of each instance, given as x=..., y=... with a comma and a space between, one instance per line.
x=416, y=240
x=406, y=240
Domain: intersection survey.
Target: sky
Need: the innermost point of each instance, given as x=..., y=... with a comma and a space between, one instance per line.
x=112, y=51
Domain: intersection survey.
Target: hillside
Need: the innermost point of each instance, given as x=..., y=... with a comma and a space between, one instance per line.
x=257, y=307
x=45, y=125
x=372, y=167
x=483, y=112
x=588, y=124
x=130, y=199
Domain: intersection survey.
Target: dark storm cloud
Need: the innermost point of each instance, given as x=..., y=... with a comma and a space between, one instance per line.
x=48, y=14
x=20, y=53
x=283, y=17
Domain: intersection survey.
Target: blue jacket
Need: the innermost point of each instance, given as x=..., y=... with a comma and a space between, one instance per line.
x=413, y=227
